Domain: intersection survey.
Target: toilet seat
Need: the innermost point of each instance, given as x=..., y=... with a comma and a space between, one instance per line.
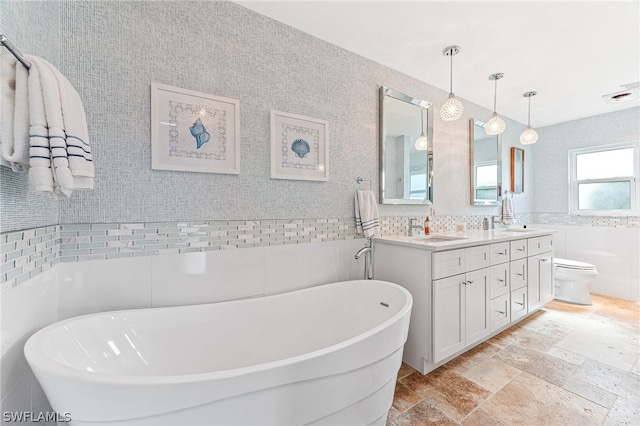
x=573, y=264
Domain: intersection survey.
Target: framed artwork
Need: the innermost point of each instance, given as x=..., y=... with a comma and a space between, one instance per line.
x=193, y=131
x=299, y=147
x=517, y=170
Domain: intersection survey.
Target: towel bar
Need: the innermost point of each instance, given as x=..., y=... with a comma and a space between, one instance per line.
x=15, y=52
x=359, y=180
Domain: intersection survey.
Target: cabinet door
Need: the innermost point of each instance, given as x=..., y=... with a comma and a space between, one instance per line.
x=448, y=316
x=539, y=245
x=477, y=313
x=499, y=279
x=540, y=280
x=500, y=312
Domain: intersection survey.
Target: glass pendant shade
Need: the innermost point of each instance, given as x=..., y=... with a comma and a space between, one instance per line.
x=495, y=125
x=452, y=109
x=422, y=143
x=529, y=136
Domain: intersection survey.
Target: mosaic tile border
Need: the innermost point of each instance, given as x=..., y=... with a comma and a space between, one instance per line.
x=24, y=254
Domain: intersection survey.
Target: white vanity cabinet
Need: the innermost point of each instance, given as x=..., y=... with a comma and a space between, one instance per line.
x=461, y=313
x=464, y=292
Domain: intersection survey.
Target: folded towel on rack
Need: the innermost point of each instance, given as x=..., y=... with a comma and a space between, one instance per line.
x=508, y=211
x=60, y=156
x=14, y=104
x=366, y=212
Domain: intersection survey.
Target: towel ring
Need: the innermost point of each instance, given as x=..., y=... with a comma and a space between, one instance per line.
x=359, y=180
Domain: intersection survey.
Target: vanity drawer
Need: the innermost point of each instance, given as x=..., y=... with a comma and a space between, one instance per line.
x=518, y=273
x=518, y=303
x=499, y=279
x=518, y=249
x=478, y=257
x=448, y=263
x=500, y=312
x=539, y=245
x=499, y=253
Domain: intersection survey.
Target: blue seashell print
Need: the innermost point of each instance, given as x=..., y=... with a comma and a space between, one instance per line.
x=300, y=147
x=199, y=132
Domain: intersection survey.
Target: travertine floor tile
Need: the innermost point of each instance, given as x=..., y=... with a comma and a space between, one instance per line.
x=534, y=340
x=605, y=349
x=453, y=394
x=611, y=379
x=527, y=400
x=624, y=412
x=590, y=392
x=546, y=367
x=566, y=356
x=479, y=417
x=404, y=398
x=424, y=413
x=492, y=374
x=405, y=370
x=472, y=357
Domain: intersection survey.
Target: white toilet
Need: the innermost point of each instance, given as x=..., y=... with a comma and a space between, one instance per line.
x=571, y=280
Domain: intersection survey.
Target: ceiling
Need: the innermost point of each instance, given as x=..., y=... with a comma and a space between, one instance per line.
x=570, y=52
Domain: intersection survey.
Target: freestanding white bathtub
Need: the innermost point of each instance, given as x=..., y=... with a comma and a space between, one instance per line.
x=324, y=355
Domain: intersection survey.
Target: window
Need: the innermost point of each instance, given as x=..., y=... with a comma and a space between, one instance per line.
x=486, y=182
x=603, y=180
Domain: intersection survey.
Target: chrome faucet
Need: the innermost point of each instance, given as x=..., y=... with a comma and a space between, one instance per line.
x=492, y=219
x=362, y=251
x=368, y=259
x=412, y=226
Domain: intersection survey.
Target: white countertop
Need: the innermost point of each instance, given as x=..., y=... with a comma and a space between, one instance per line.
x=463, y=239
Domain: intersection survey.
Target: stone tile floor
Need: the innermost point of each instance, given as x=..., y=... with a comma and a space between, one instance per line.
x=564, y=365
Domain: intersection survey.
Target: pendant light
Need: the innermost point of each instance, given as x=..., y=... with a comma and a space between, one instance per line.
x=495, y=125
x=422, y=143
x=452, y=108
x=529, y=136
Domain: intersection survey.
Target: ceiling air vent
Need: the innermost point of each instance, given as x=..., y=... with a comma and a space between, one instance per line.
x=629, y=92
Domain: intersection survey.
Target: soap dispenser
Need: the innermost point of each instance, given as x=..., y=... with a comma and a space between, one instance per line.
x=427, y=227
x=485, y=224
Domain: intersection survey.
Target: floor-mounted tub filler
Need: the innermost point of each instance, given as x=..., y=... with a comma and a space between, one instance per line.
x=323, y=355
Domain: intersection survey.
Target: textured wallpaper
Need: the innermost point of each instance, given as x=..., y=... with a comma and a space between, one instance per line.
x=33, y=28
x=552, y=164
x=112, y=50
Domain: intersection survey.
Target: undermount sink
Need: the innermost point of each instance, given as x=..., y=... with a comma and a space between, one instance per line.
x=436, y=238
x=518, y=229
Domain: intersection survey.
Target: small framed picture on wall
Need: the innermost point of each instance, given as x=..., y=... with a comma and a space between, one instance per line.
x=194, y=131
x=517, y=170
x=299, y=147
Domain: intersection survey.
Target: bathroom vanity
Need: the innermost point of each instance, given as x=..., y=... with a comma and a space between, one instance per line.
x=466, y=287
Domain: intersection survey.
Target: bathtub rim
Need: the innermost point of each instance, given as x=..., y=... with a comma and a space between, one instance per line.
x=38, y=360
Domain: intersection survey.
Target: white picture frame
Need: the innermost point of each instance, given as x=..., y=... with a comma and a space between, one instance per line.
x=299, y=147
x=193, y=131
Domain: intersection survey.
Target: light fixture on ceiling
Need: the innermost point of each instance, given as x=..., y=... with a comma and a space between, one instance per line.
x=529, y=136
x=495, y=125
x=452, y=108
x=630, y=92
x=422, y=143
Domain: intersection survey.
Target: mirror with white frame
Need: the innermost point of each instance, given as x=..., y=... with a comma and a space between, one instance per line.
x=485, y=162
x=406, y=172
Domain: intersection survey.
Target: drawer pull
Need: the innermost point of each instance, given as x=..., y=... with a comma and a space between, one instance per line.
x=544, y=259
x=501, y=253
x=518, y=303
x=501, y=313
x=500, y=280
x=470, y=282
x=521, y=249
x=519, y=274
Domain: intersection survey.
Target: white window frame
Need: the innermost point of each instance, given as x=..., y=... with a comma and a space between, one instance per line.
x=633, y=180
x=476, y=187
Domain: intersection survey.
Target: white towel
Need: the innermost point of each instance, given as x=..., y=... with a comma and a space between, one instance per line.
x=508, y=211
x=15, y=114
x=366, y=211
x=60, y=156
